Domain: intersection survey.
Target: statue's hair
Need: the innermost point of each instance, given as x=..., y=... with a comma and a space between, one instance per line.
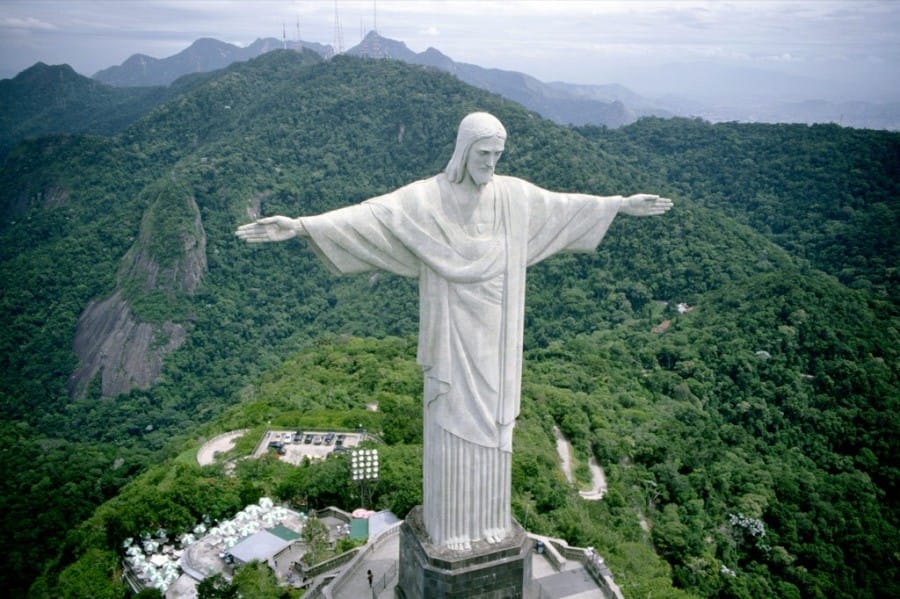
x=475, y=126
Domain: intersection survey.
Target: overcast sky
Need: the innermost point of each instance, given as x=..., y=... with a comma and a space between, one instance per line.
x=853, y=43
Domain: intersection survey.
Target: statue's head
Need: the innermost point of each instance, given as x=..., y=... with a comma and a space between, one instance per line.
x=479, y=143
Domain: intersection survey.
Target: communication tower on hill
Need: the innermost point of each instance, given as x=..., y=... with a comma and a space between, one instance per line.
x=338, y=33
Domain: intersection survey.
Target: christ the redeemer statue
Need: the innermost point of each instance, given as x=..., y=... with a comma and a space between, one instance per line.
x=468, y=236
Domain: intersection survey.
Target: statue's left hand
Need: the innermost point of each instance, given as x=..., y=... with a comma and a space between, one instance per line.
x=645, y=204
x=271, y=228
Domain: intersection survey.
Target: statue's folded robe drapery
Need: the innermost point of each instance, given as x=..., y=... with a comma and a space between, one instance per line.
x=471, y=283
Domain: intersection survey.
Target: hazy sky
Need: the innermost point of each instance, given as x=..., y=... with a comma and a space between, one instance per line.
x=853, y=43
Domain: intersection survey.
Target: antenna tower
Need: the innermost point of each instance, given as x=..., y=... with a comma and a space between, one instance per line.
x=375, y=16
x=283, y=37
x=338, y=33
x=298, y=29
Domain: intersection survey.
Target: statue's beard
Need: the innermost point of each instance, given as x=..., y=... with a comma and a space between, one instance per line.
x=482, y=176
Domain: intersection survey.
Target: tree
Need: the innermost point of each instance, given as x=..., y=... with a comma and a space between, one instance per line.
x=216, y=587
x=91, y=576
x=315, y=537
x=256, y=580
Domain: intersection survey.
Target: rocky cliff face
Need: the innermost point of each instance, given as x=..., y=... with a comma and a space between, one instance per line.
x=125, y=352
x=115, y=341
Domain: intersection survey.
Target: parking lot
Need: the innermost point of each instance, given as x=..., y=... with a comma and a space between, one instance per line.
x=293, y=446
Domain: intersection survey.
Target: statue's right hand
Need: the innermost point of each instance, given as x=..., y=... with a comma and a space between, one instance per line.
x=271, y=228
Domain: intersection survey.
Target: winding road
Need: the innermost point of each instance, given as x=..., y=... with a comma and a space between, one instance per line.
x=598, y=478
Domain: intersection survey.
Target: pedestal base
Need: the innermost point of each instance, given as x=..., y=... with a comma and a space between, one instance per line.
x=487, y=571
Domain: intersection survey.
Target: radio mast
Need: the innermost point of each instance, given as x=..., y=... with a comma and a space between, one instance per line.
x=338, y=34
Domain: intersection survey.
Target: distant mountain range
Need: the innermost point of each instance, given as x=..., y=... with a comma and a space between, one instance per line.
x=204, y=55
x=694, y=90
x=609, y=105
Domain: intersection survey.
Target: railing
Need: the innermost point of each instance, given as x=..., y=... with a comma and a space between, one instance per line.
x=131, y=578
x=344, y=576
x=557, y=551
x=592, y=563
x=553, y=555
x=382, y=583
x=261, y=443
x=315, y=592
x=331, y=564
x=333, y=512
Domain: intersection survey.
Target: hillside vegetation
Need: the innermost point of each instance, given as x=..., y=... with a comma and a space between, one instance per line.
x=55, y=99
x=748, y=443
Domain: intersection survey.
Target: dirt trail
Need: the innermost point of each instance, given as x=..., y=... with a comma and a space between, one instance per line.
x=598, y=478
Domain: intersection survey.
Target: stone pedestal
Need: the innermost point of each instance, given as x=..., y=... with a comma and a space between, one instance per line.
x=487, y=571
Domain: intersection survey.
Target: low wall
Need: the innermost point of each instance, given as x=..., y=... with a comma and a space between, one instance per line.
x=333, y=512
x=333, y=589
x=552, y=554
x=331, y=564
x=593, y=563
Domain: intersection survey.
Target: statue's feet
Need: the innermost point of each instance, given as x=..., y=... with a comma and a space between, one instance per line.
x=494, y=535
x=458, y=544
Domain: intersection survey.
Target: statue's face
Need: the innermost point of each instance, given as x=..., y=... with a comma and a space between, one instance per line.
x=482, y=159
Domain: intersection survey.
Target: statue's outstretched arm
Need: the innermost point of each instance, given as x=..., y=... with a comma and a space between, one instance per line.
x=645, y=204
x=272, y=228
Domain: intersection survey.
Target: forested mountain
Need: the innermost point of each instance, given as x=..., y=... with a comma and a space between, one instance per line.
x=823, y=192
x=55, y=99
x=749, y=443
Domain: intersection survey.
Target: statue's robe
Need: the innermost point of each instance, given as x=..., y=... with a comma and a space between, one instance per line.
x=471, y=302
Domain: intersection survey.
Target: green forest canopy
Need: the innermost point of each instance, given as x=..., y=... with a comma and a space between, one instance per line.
x=771, y=406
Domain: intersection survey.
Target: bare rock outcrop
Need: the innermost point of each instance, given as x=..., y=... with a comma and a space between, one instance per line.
x=167, y=262
x=125, y=352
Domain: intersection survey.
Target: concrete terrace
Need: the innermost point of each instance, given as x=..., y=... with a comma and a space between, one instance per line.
x=581, y=575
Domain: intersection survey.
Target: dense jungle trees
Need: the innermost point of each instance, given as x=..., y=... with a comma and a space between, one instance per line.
x=770, y=406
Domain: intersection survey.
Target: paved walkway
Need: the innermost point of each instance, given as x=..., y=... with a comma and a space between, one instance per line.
x=382, y=561
x=220, y=444
x=571, y=581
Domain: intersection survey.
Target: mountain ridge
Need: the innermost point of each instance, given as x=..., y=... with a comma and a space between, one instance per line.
x=610, y=105
x=698, y=411
x=550, y=102
x=606, y=105
x=204, y=55
x=55, y=99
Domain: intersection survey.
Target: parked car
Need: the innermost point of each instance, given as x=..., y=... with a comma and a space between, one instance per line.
x=308, y=439
x=329, y=437
x=339, y=440
x=298, y=437
x=317, y=440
